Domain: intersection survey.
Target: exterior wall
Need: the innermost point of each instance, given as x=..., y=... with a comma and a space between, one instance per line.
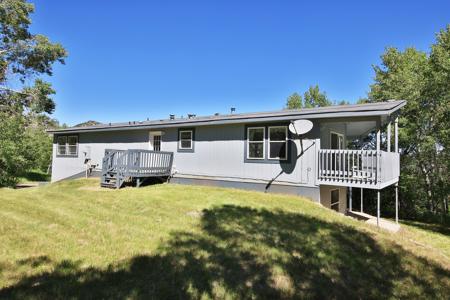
x=219, y=151
x=325, y=197
x=93, y=145
x=325, y=133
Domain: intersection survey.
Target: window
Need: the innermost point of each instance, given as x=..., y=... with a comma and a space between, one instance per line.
x=278, y=140
x=255, y=142
x=335, y=200
x=62, y=141
x=156, y=143
x=67, y=145
x=185, y=139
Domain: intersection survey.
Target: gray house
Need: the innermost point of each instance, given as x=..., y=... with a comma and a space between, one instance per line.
x=252, y=151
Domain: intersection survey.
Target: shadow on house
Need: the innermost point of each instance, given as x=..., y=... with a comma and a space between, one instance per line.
x=288, y=166
x=248, y=253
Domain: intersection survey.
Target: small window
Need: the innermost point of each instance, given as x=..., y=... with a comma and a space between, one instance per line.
x=255, y=142
x=67, y=145
x=185, y=139
x=156, y=143
x=278, y=139
x=335, y=200
x=62, y=140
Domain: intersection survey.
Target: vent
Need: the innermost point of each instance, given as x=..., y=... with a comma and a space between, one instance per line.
x=172, y=117
x=232, y=110
x=191, y=116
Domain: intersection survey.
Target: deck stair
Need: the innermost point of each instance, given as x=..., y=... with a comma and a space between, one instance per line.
x=119, y=166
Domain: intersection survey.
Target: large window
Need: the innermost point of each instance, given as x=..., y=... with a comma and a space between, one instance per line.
x=255, y=142
x=278, y=140
x=67, y=145
x=185, y=140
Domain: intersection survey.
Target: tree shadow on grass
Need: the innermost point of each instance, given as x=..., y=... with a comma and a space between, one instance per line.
x=247, y=253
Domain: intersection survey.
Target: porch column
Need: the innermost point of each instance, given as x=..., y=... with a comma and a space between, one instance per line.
x=389, y=137
x=362, y=199
x=396, y=151
x=350, y=191
x=378, y=152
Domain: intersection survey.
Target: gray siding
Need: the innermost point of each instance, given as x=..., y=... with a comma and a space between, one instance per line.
x=94, y=145
x=325, y=133
x=219, y=153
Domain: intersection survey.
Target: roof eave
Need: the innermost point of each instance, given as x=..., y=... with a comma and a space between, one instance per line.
x=235, y=120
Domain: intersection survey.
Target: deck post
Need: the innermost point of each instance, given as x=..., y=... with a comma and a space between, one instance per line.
x=378, y=172
x=396, y=151
x=396, y=203
x=389, y=137
x=350, y=197
x=378, y=208
x=396, y=135
x=362, y=199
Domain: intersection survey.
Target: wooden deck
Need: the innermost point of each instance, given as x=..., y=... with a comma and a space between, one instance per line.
x=134, y=164
x=358, y=168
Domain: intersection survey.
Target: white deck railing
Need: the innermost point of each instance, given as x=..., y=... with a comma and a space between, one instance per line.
x=358, y=168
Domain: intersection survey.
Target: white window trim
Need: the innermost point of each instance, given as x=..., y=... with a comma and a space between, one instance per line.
x=263, y=142
x=59, y=146
x=67, y=146
x=286, y=142
x=339, y=135
x=339, y=199
x=180, y=145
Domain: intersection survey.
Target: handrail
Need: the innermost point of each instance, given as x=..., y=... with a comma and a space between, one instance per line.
x=137, y=162
x=368, y=168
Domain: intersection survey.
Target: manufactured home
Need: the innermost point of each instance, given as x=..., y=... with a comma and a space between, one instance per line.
x=258, y=151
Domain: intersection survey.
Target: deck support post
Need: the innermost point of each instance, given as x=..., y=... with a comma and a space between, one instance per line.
x=396, y=203
x=350, y=190
x=138, y=182
x=362, y=199
x=378, y=171
x=396, y=151
x=378, y=208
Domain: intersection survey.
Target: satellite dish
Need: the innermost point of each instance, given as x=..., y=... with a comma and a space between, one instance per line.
x=299, y=127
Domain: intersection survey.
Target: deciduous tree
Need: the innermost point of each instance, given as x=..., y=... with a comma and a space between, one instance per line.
x=424, y=81
x=24, y=57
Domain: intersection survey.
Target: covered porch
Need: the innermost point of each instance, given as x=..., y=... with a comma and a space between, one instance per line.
x=372, y=162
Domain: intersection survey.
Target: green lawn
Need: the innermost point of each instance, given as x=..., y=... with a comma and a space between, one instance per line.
x=75, y=240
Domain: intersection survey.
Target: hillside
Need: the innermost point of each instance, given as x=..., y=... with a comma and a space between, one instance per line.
x=73, y=239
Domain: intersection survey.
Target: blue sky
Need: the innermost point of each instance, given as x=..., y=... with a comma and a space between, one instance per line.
x=132, y=60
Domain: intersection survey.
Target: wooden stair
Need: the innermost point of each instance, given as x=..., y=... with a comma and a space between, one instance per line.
x=119, y=166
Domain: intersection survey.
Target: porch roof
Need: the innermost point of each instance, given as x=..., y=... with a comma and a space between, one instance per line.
x=379, y=109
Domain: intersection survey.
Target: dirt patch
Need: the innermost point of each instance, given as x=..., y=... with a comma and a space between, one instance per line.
x=95, y=189
x=195, y=213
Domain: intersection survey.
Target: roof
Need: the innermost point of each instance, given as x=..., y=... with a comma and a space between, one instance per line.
x=340, y=111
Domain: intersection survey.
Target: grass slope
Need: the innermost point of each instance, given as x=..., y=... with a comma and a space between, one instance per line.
x=73, y=240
